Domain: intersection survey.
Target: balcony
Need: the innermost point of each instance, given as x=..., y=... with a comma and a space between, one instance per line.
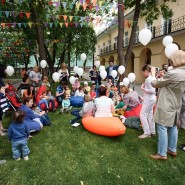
x=157, y=31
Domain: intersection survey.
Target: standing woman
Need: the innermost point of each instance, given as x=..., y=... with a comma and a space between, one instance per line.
x=167, y=115
x=64, y=73
x=95, y=76
x=149, y=99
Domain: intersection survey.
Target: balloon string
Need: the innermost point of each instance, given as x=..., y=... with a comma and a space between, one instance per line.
x=145, y=55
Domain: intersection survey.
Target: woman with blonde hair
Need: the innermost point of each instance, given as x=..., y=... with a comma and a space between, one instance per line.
x=64, y=74
x=167, y=114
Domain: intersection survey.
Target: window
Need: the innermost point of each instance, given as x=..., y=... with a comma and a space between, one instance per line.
x=109, y=45
x=115, y=43
x=166, y=25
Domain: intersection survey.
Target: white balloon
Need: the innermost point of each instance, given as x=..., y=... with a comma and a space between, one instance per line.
x=43, y=64
x=126, y=81
x=170, y=49
x=102, y=68
x=131, y=77
x=83, y=57
x=121, y=69
x=72, y=80
x=145, y=36
x=75, y=69
x=97, y=64
x=103, y=74
x=80, y=71
x=114, y=73
x=9, y=70
x=56, y=76
x=167, y=40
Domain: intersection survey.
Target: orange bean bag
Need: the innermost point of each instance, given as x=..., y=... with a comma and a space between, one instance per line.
x=105, y=126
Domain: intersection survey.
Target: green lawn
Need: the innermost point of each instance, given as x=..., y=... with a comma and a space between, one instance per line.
x=61, y=154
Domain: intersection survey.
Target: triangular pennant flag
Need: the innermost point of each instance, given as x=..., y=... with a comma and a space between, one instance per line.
x=60, y=17
x=76, y=24
x=50, y=3
x=19, y=24
x=56, y=16
x=82, y=18
x=84, y=6
x=81, y=1
x=14, y=24
x=65, y=17
x=94, y=2
x=7, y=13
x=64, y=5
x=45, y=24
x=70, y=18
x=13, y=13
x=71, y=24
x=28, y=15
x=3, y=1
x=47, y=16
x=76, y=18
x=71, y=6
x=100, y=3
x=66, y=23
x=61, y=24
x=88, y=1
x=25, y=25
x=30, y=24
x=86, y=24
x=20, y=1
x=81, y=24
x=77, y=5
x=90, y=7
x=56, y=4
x=97, y=8
x=21, y=14
x=56, y=24
x=103, y=8
x=9, y=25
x=50, y=24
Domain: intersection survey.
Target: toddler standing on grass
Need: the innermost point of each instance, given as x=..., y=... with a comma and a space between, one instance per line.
x=18, y=133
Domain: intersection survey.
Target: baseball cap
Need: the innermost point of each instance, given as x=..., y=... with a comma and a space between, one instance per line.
x=85, y=83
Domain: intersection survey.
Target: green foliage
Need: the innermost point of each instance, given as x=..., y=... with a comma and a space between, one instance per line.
x=61, y=154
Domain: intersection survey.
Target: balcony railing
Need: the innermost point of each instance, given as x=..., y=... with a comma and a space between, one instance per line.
x=168, y=27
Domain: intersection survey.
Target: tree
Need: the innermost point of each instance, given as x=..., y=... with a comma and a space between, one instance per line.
x=149, y=9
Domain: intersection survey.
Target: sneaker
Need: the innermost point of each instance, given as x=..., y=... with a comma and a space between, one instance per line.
x=5, y=130
x=143, y=136
x=3, y=134
x=26, y=158
x=18, y=159
x=70, y=108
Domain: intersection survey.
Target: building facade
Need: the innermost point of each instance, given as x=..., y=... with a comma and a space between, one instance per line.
x=153, y=53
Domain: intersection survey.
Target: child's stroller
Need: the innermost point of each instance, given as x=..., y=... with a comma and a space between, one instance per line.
x=13, y=98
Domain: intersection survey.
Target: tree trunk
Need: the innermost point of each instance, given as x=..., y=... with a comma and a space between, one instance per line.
x=133, y=32
x=68, y=52
x=39, y=34
x=120, y=32
x=62, y=56
x=49, y=60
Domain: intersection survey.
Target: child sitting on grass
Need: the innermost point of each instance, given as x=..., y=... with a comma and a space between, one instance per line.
x=87, y=110
x=65, y=104
x=18, y=133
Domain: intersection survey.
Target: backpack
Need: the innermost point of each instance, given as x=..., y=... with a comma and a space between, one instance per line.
x=133, y=122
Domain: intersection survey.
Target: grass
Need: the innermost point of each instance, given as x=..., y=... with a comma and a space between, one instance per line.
x=61, y=154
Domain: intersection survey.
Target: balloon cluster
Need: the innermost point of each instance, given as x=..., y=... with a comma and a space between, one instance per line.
x=170, y=46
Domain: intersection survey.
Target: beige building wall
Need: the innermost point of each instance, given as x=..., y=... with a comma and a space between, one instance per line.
x=154, y=51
